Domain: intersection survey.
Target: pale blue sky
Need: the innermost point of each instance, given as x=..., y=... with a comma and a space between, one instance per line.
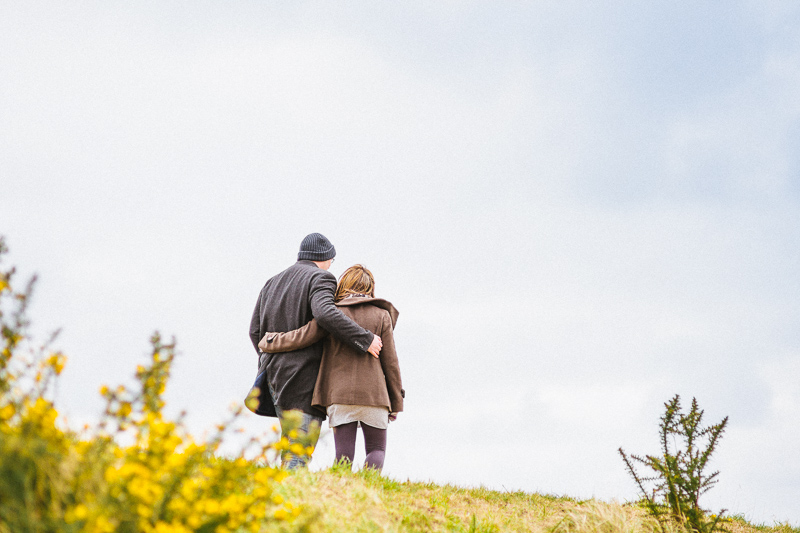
x=580, y=209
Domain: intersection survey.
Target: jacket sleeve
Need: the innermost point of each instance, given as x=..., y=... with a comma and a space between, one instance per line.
x=255, y=324
x=390, y=365
x=331, y=318
x=292, y=340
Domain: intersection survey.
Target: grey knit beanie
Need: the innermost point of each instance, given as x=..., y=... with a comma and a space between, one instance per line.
x=315, y=247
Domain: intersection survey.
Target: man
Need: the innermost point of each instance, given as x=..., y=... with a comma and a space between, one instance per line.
x=289, y=301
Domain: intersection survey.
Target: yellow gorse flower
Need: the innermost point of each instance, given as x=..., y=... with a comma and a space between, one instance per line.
x=161, y=480
x=7, y=412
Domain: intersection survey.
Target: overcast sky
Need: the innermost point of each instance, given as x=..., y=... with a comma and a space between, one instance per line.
x=580, y=209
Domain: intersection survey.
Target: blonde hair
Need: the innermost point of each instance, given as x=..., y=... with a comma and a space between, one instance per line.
x=355, y=280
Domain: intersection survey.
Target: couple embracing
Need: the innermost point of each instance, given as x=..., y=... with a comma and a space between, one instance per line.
x=327, y=350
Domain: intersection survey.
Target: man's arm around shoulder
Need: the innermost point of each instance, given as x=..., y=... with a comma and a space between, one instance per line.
x=332, y=319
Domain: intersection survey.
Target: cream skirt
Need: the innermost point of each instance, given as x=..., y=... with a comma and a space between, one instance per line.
x=377, y=417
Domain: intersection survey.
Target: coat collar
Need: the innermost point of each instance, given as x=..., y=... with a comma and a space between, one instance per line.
x=377, y=302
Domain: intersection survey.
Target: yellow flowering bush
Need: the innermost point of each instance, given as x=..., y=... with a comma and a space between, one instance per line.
x=135, y=470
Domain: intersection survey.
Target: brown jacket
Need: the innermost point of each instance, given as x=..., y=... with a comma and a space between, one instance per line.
x=346, y=375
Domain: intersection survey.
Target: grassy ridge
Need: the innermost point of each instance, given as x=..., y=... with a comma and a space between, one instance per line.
x=336, y=500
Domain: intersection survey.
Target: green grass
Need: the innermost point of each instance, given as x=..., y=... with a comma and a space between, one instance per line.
x=337, y=500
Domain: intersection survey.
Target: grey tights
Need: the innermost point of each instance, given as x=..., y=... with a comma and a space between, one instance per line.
x=344, y=437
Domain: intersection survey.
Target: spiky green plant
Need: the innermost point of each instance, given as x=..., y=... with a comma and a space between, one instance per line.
x=679, y=474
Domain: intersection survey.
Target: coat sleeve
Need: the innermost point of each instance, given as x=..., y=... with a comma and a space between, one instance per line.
x=390, y=365
x=255, y=324
x=332, y=319
x=290, y=341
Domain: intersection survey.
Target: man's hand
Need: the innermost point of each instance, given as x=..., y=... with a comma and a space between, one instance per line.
x=375, y=347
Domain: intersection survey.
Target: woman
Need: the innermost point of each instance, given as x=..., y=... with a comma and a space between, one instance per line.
x=353, y=388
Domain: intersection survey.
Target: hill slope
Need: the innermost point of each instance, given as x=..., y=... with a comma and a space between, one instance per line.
x=336, y=500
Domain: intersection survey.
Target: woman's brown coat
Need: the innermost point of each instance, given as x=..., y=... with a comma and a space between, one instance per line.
x=347, y=376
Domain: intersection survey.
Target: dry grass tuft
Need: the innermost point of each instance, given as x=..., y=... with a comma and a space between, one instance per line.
x=599, y=517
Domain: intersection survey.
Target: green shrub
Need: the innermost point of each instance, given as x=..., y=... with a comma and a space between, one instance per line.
x=136, y=470
x=679, y=479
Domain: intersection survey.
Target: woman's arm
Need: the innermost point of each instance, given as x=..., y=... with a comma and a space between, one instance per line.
x=292, y=340
x=390, y=366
